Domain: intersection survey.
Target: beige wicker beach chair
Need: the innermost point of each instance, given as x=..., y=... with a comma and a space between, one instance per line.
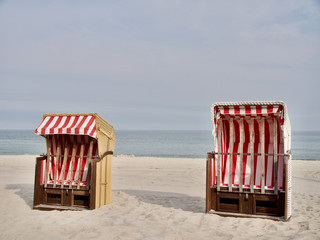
x=75, y=173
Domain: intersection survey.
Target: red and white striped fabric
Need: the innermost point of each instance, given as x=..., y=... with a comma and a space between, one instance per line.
x=58, y=143
x=271, y=116
x=268, y=160
x=242, y=111
x=78, y=125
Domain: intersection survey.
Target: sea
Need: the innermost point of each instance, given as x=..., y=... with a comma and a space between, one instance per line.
x=175, y=144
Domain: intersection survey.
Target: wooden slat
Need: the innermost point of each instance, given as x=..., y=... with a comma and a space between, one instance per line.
x=89, y=160
x=103, y=181
x=108, y=167
x=241, y=155
x=46, y=173
x=262, y=137
x=208, y=182
x=57, y=162
x=230, y=156
x=98, y=183
x=275, y=150
x=80, y=163
x=39, y=190
x=65, y=159
x=93, y=186
x=286, y=187
x=74, y=152
x=106, y=179
x=252, y=155
x=219, y=156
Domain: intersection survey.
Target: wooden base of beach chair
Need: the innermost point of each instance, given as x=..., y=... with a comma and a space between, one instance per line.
x=96, y=192
x=246, y=203
x=61, y=199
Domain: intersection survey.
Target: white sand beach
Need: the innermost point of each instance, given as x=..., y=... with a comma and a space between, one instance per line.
x=153, y=198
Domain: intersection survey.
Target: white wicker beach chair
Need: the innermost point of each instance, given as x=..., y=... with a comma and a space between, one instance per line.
x=249, y=171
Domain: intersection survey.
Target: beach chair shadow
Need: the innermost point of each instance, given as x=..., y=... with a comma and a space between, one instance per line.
x=25, y=191
x=169, y=200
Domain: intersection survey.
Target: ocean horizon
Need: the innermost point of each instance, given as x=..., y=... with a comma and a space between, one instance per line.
x=156, y=143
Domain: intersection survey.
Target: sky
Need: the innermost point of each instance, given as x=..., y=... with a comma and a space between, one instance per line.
x=157, y=65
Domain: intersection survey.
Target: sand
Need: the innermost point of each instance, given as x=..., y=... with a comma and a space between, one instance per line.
x=153, y=198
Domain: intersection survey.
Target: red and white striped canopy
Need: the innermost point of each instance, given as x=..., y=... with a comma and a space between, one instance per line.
x=249, y=109
x=73, y=124
x=233, y=124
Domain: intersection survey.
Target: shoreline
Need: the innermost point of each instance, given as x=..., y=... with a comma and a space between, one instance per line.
x=152, y=198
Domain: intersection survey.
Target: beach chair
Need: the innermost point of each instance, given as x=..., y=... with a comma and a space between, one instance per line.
x=75, y=173
x=249, y=171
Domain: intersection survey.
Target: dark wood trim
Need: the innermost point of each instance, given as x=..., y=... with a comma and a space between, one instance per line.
x=208, y=190
x=105, y=154
x=38, y=192
x=93, y=179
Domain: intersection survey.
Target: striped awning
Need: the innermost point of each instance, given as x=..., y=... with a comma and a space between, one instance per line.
x=73, y=124
x=249, y=109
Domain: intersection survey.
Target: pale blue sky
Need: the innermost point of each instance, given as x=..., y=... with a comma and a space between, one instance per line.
x=147, y=64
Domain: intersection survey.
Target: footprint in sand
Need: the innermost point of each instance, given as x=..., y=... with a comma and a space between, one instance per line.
x=309, y=209
x=303, y=226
